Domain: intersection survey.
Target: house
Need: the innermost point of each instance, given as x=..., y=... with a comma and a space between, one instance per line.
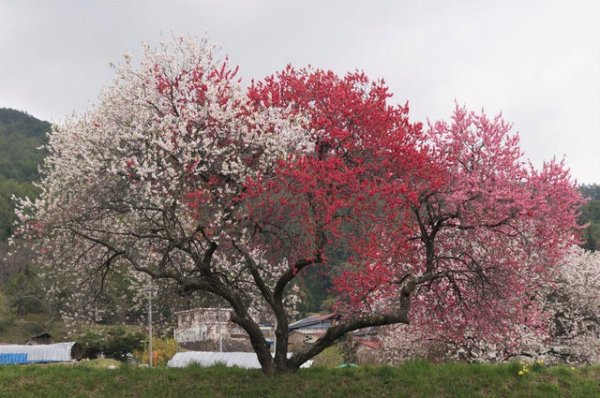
x=211, y=329
x=201, y=324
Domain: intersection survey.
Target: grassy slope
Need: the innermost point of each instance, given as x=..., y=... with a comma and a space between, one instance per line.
x=20, y=329
x=415, y=379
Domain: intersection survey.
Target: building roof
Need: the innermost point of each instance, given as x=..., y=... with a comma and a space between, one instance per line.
x=311, y=321
x=203, y=309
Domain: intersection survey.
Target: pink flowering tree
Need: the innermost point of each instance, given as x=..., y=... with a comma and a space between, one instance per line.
x=485, y=238
x=572, y=334
x=180, y=174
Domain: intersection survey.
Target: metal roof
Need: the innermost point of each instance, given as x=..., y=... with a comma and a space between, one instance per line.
x=311, y=320
x=17, y=353
x=246, y=360
x=203, y=309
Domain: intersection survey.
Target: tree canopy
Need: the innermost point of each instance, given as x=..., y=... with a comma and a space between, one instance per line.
x=182, y=174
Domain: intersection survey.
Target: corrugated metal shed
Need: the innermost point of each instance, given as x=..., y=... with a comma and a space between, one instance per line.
x=246, y=360
x=13, y=353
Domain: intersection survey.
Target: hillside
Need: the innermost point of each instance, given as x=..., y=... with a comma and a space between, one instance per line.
x=21, y=136
x=590, y=213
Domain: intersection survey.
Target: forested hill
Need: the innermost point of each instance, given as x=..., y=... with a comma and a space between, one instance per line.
x=21, y=136
x=590, y=214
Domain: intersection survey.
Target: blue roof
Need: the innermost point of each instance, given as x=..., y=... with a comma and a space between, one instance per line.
x=11, y=359
x=14, y=353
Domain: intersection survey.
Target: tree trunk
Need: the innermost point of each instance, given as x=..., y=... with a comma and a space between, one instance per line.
x=257, y=340
x=281, y=339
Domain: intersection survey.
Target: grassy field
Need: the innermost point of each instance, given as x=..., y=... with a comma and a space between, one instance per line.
x=414, y=379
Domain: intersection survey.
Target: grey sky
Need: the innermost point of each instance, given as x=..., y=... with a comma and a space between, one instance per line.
x=536, y=61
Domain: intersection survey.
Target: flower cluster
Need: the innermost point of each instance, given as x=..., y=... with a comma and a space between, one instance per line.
x=524, y=368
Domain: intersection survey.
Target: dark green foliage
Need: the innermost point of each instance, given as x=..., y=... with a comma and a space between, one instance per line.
x=24, y=292
x=6, y=315
x=591, y=234
x=8, y=189
x=113, y=343
x=591, y=191
x=315, y=284
x=21, y=136
x=590, y=214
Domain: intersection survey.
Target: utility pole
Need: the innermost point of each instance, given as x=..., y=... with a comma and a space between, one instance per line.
x=151, y=290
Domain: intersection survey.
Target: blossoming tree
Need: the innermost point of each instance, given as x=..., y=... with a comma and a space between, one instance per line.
x=181, y=174
x=575, y=308
x=572, y=334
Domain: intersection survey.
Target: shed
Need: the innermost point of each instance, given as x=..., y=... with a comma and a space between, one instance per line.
x=40, y=353
x=43, y=338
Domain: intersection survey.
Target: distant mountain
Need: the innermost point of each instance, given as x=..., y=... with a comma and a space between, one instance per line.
x=21, y=136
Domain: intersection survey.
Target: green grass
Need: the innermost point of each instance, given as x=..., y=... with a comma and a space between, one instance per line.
x=100, y=363
x=414, y=379
x=331, y=357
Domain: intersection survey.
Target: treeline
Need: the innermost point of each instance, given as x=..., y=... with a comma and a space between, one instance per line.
x=590, y=214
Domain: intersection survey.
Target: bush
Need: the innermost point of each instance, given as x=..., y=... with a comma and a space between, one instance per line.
x=163, y=349
x=329, y=357
x=114, y=343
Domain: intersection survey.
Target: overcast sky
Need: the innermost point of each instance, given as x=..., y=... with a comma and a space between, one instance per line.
x=537, y=62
